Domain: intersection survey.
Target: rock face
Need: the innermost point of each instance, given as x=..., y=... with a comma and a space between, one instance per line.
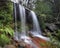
x=9, y=46
x=58, y=24
x=52, y=27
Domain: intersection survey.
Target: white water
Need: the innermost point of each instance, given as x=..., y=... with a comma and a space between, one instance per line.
x=36, y=28
x=15, y=1
x=23, y=20
x=23, y=34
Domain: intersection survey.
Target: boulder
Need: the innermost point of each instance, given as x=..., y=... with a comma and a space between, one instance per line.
x=0, y=47
x=52, y=27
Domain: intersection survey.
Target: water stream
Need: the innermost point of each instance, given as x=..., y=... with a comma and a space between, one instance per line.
x=36, y=27
x=36, y=32
x=23, y=20
x=23, y=34
x=15, y=16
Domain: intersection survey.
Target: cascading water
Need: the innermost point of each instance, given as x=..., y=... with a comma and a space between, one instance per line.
x=15, y=1
x=23, y=34
x=23, y=27
x=36, y=29
x=15, y=15
x=23, y=20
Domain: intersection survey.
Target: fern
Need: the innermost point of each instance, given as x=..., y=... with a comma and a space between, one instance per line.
x=9, y=30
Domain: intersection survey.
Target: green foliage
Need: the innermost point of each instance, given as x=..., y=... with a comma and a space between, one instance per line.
x=58, y=35
x=6, y=19
x=54, y=40
x=43, y=8
x=4, y=40
x=42, y=19
x=6, y=32
x=6, y=11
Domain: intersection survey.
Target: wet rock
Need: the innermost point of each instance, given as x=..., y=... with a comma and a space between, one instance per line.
x=21, y=43
x=9, y=46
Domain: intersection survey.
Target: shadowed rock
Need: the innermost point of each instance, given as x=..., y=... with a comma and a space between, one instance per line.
x=52, y=27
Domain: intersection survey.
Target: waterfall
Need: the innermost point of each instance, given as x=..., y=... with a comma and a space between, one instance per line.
x=23, y=20
x=23, y=34
x=36, y=28
x=18, y=35
x=15, y=1
x=15, y=18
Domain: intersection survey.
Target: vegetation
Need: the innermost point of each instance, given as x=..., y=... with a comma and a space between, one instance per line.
x=6, y=20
